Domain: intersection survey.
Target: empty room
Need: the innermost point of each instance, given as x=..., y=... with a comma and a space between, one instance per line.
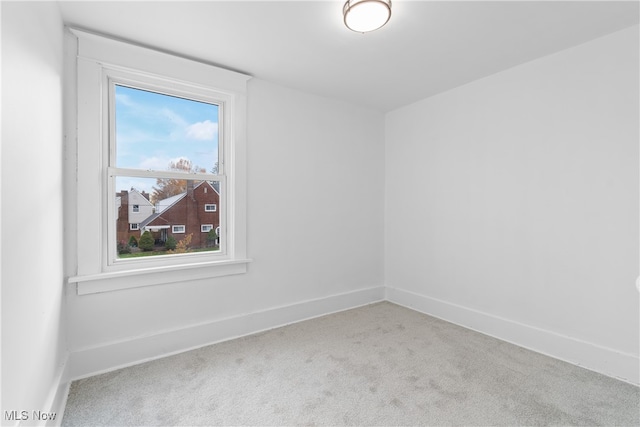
x=371, y=212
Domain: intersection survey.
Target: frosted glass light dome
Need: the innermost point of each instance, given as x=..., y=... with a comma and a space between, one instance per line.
x=363, y=16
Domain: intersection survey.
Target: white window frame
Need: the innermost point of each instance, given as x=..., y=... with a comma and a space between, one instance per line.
x=215, y=207
x=203, y=230
x=135, y=208
x=99, y=63
x=133, y=226
x=134, y=79
x=178, y=229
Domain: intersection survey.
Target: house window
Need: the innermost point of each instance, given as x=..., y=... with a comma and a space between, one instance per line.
x=171, y=128
x=143, y=115
x=210, y=207
x=205, y=228
x=134, y=227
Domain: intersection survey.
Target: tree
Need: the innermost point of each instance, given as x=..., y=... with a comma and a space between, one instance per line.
x=171, y=243
x=167, y=187
x=182, y=246
x=212, y=236
x=133, y=242
x=146, y=241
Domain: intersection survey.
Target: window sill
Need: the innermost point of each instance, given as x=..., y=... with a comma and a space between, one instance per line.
x=119, y=280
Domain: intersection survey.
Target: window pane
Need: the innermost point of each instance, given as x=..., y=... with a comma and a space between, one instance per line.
x=161, y=132
x=169, y=217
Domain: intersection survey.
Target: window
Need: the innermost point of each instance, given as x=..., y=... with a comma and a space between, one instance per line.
x=205, y=228
x=162, y=136
x=166, y=132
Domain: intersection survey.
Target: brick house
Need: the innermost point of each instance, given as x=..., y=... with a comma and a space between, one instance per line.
x=132, y=207
x=192, y=212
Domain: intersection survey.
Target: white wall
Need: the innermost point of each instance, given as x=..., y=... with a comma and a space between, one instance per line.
x=512, y=205
x=145, y=208
x=33, y=333
x=315, y=232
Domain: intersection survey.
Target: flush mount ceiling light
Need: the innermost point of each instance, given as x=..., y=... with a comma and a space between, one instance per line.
x=363, y=16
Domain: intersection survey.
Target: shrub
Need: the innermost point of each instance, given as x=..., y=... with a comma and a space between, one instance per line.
x=133, y=242
x=182, y=246
x=123, y=248
x=212, y=236
x=146, y=241
x=171, y=243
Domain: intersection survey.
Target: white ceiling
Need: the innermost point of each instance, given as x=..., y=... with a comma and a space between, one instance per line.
x=428, y=46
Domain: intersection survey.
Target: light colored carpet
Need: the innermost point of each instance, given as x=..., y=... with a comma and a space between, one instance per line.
x=376, y=365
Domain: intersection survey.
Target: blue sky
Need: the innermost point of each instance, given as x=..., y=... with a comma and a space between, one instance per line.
x=152, y=130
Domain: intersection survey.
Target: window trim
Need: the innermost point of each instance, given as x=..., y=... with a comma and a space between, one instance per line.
x=93, y=57
x=133, y=78
x=175, y=227
x=135, y=208
x=215, y=207
x=134, y=226
x=202, y=226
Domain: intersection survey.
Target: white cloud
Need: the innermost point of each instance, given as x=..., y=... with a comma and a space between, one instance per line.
x=202, y=131
x=160, y=163
x=173, y=117
x=124, y=99
x=155, y=163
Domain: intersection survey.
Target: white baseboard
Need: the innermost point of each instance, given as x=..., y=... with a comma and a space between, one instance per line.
x=607, y=361
x=59, y=401
x=111, y=356
x=55, y=402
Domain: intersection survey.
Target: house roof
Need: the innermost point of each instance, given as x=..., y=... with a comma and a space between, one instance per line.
x=149, y=219
x=212, y=184
x=166, y=204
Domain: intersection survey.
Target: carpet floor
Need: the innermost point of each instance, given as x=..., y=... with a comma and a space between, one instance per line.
x=380, y=364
